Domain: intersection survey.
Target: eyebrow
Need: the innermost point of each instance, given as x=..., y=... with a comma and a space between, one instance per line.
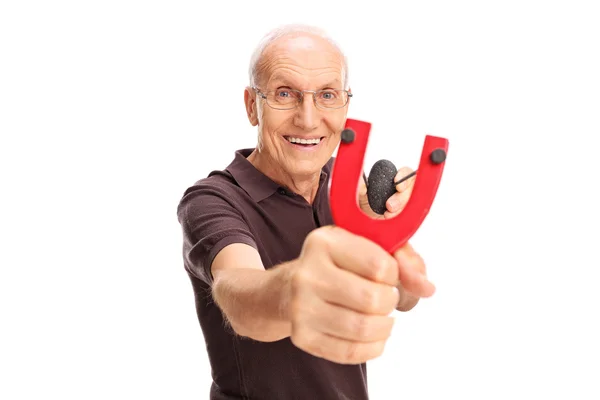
x=335, y=84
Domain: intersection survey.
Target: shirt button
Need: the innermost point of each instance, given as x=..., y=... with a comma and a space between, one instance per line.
x=282, y=191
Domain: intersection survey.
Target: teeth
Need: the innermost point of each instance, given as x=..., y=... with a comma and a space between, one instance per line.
x=304, y=141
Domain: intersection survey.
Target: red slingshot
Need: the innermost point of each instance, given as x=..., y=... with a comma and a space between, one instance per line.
x=390, y=234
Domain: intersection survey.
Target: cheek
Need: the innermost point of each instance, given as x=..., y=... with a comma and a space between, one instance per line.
x=335, y=122
x=274, y=123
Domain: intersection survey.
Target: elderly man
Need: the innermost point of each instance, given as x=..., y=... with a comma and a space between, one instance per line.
x=290, y=306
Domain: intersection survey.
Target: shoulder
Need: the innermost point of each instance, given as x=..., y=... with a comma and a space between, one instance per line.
x=217, y=183
x=218, y=189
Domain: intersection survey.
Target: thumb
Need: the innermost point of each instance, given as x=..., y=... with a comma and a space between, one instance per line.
x=412, y=272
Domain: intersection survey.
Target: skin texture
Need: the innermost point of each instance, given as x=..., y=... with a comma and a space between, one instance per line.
x=334, y=301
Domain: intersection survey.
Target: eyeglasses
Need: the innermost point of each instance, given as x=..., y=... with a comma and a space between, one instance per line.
x=288, y=99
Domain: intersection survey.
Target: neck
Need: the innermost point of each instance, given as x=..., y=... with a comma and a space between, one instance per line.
x=305, y=185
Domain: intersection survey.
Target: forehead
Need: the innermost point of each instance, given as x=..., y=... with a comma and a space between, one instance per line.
x=304, y=61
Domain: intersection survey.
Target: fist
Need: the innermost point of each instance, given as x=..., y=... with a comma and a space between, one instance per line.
x=343, y=291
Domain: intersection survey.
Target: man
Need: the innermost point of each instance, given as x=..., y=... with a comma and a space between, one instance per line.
x=290, y=306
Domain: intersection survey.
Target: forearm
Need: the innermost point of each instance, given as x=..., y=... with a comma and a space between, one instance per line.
x=255, y=302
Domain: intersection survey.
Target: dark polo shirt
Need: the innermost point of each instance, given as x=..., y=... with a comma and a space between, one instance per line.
x=242, y=205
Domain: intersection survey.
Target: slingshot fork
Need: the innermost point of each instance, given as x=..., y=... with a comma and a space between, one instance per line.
x=391, y=234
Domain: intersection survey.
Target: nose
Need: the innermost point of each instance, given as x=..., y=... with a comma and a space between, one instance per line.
x=307, y=115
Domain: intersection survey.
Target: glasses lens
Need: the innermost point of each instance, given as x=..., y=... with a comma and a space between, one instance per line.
x=331, y=98
x=283, y=98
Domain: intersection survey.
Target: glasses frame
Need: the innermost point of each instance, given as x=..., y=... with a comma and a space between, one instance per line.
x=314, y=93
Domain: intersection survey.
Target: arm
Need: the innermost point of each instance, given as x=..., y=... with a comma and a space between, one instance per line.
x=255, y=301
x=221, y=251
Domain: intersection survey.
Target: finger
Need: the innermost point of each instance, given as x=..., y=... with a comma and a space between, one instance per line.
x=402, y=172
x=335, y=349
x=397, y=202
x=348, y=324
x=412, y=272
x=361, y=256
x=346, y=289
x=363, y=202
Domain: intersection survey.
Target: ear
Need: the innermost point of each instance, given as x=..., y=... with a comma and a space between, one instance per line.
x=251, y=106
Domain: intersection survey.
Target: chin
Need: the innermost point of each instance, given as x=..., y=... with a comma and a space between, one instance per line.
x=306, y=167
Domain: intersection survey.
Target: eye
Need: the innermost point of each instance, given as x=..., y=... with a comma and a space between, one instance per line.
x=328, y=94
x=285, y=93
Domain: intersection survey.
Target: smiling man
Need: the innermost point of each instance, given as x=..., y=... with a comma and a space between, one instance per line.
x=290, y=306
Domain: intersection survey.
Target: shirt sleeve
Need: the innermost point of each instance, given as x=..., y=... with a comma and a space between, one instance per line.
x=210, y=221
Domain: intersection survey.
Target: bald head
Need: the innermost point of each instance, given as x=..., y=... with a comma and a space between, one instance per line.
x=298, y=45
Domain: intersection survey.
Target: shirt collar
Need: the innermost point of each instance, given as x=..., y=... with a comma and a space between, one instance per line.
x=255, y=183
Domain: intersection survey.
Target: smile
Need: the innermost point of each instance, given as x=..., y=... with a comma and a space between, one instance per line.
x=304, y=142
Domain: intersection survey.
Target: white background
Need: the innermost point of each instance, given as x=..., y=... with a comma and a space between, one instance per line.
x=110, y=110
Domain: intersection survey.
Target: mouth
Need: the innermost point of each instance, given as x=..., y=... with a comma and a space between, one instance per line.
x=305, y=143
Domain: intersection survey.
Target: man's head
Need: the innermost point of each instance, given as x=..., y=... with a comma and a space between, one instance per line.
x=291, y=59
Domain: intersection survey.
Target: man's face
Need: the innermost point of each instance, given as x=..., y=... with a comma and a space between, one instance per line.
x=301, y=63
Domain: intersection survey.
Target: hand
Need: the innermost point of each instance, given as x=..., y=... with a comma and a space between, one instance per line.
x=412, y=266
x=396, y=203
x=343, y=291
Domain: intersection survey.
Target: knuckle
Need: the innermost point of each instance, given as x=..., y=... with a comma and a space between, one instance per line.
x=419, y=262
x=313, y=236
x=352, y=353
x=318, y=241
x=402, y=172
x=298, y=338
x=378, y=349
x=371, y=299
x=319, y=237
x=299, y=279
x=307, y=341
x=360, y=327
x=380, y=268
x=395, y=297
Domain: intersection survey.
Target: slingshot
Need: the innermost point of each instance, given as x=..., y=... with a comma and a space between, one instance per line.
x=393, y=233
